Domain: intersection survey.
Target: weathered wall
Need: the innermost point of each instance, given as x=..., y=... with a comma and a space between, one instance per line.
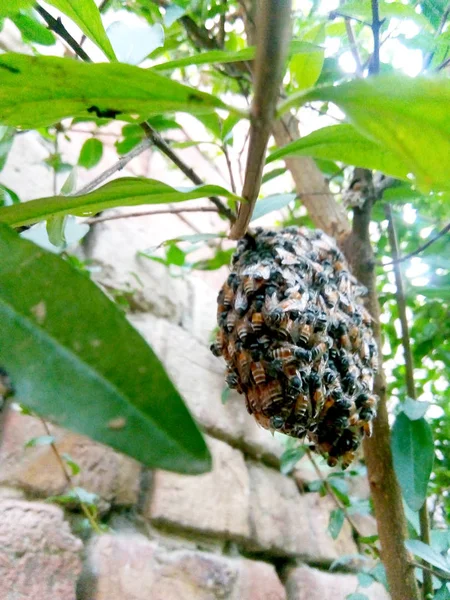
x=242, y=532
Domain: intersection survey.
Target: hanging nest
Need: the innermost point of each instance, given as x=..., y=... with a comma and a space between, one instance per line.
x=298, y=341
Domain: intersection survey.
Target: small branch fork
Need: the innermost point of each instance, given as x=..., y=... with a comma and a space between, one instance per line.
x=410, y=387
x=151, y=134
x=273, y=34
x=420, y=249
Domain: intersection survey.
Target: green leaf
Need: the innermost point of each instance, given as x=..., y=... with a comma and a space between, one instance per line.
x=80, y=364
x=38, y=91
x=364, y=579
x=271, y=203
x=87, y=16
x=414, y=409
x=127, y=191
x=32, y=30
x=76, y=495
x=408, y=117
x=42, y=440
x=428, y=554
x=290, y=458
x=223, y=56
x=12, y=7
x=356, y=596
x=73, y=466
x=335, y=523
x=362, y=9
x=55, y=230
x=272, y=174
x=175, y=256
x=345, y=144
x=91, y=153
x=6, y=142
x=8, y=196
x=306, y=68
x=443, y=592
x=413, y=454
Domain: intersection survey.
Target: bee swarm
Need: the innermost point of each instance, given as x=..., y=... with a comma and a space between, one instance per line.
x=297, y=340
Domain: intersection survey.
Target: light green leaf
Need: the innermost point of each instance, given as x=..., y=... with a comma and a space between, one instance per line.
x=70, y=183
x=271, y=203
x=413, y=454
x=32, y=30
x=42, y=440
x=428, y=554
x=414, y=409
x=290, y=458
x=345, y=144
x=172, y=14
x=222, y=56
x=8, y=196
x=12, y=7
x=88, y=18
x=80, y=364
x=127, y=191
x=336, y=522
x=91, y=153
x=306, y=67
x=55, y=230
x=74, y=467
x=37, y=91
x=407, y=117
x=6, y=142
x=443, y=592
x=364, y=579
x=362, y=9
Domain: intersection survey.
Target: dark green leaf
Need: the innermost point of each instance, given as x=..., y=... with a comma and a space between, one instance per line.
x=6, y=141
x=443, y=592
x=271, y=203
x=408, y=117
x=340, y=488
x=91, y=153
x=42, y=440
x=32, y=30
x=8, y=196
x=414, y=409
x=87, y=16
x=428, y=554
x=175, y=256
x=81, y=364
x=290, y=458
x=335, y=523
x=55, y=230
x=128, y=191
x=37, y=91
x=345, y=144
x=413, y=453
x=367, y=539
x=12, y=7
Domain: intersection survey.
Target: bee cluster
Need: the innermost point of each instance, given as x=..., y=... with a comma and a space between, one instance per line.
x=297, y=340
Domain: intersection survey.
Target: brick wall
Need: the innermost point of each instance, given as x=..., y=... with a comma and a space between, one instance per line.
x=243, y=531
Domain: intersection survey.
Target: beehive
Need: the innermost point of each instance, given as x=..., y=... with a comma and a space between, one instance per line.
x=297, y=340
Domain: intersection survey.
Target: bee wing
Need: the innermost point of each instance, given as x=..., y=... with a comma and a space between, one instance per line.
x=258, y=271
x=241, y=300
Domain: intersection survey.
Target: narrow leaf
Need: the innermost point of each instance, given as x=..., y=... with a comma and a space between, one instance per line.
x=91, y=153
x=306, y=68
x=408, y=117
x=73, y=466
x=12, y=7
x=6, y=141
x=128, y=191
x=37, y=91
x=290, y=458
x=428, y=554
x=335, y=523
x=270, y=203
x=32, y=30
x=80, y=364
x=42, y=440
x=55, y=230
x=87, y=16
x=345, y=144
x=413, y=454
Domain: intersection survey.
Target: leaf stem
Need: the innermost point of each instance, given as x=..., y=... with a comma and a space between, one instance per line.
x=354, y=47
x=162, y=211
x=409, y=368
x=57, y=26
x=420, y=249
x=273, y=34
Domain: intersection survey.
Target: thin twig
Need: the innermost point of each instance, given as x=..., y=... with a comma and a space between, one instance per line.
x=374, y=67
x=230, y=168
x=273, y=34
x=335, y=13
x=409, y=375
x=439, y=575
x=331, y=493
x=419, y=249
x=443, y=65
x=160, y=211
x=353, y=47
x=69, y=481
x=118, y=166
x=57, y=26
x=55, y=173
x=429, y=57
x=158, y=141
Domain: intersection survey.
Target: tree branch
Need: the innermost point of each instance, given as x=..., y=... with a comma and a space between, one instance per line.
x=273, y=34
x=420, y=249
x=374, y=67
x=162, y=211
x=354, y=47
x=57, y=26
x=409, y=369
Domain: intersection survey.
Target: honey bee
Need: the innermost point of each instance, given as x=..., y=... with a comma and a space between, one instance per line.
x=258, y=373
x=276, y=422
x=243, y=365
x=257, y=321
x=271, y=397
x=305, y=332
x=320, y=349
x=302, y=406
x=218, y=344
x=227, y=295
x=252, y=400
x=330, y=295
x=349, y=383
x=316, y=392
x=244, y=329
x=264, y=342
x=354, y=333
x=332, y=461
x=344, y=338
x=347, y=459
x=367, y=379
x=285, y=353
x=240, y=302
x=367, y=427
x=303, y=355
x=232, y=380
x=286, y=327
x=258, y=271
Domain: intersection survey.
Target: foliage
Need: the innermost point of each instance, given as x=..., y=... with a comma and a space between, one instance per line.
x=396, y=123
